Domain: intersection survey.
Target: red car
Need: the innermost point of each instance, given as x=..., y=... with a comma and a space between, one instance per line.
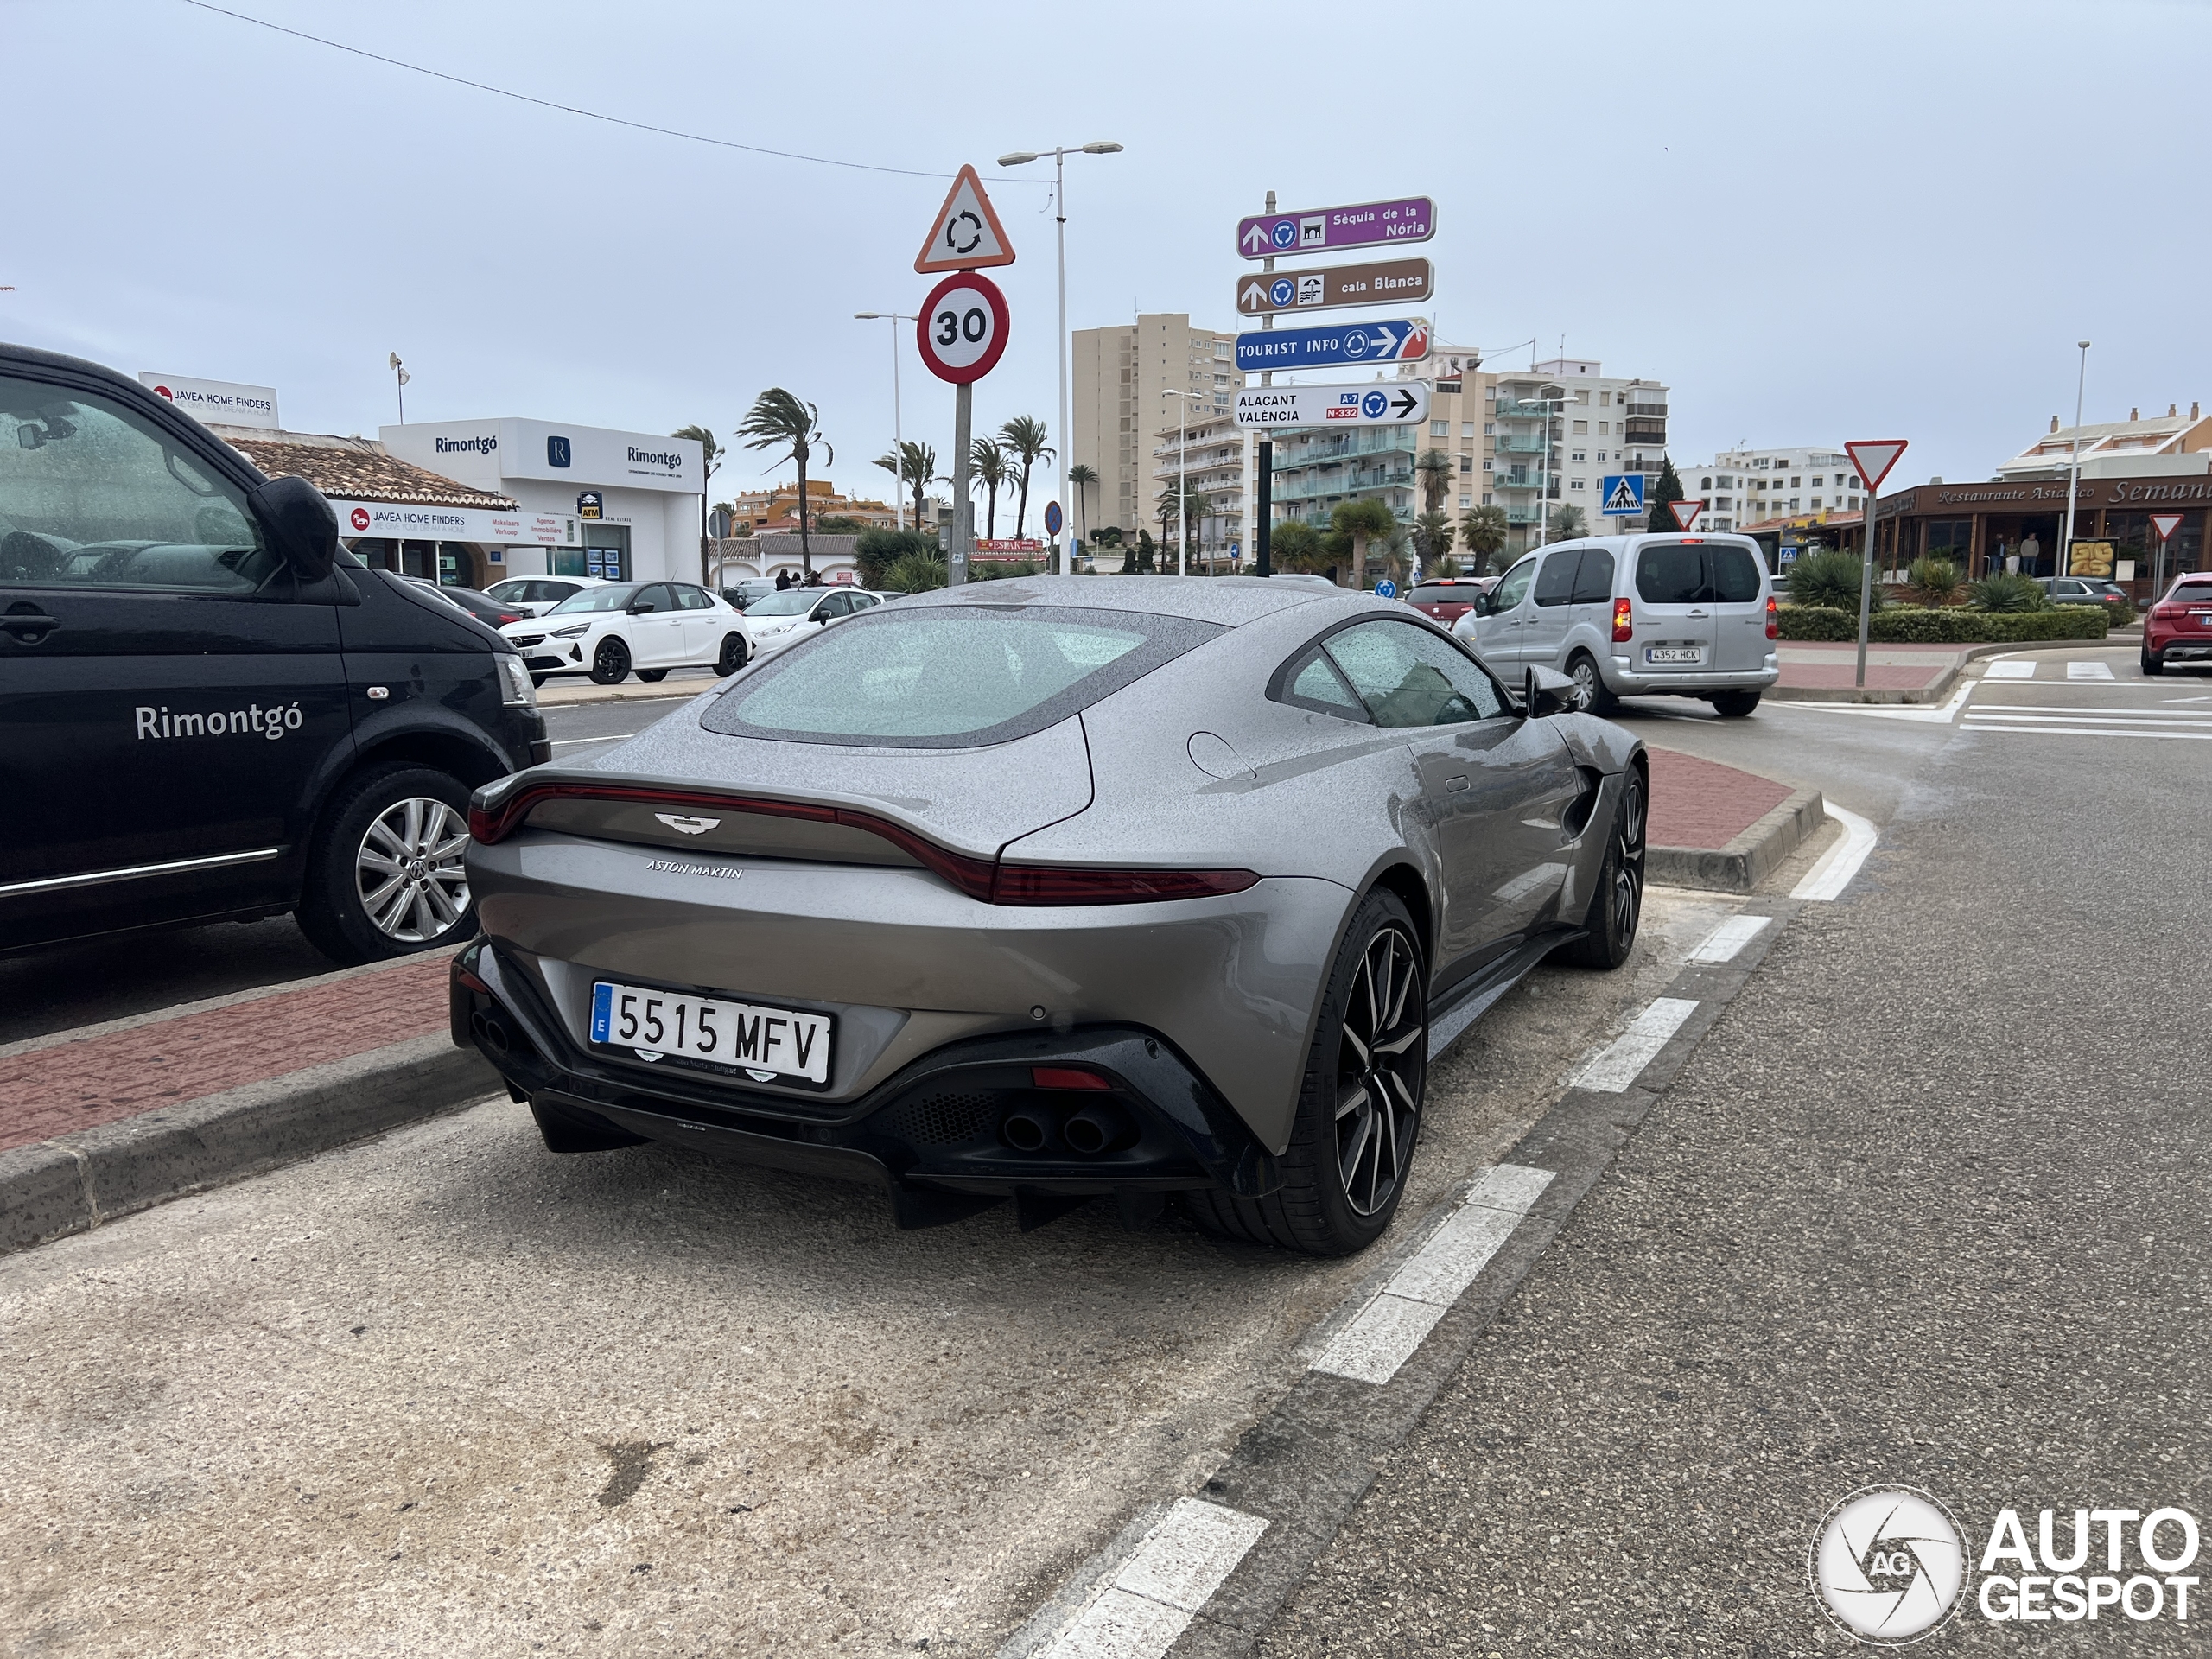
x=1449, y=598
x=2179, y=628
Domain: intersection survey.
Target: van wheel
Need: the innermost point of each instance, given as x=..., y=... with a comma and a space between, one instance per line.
x=652, y=676
x=385, y=876
x=732, y=657
x=1590, y=696
x=610, y=663
x=1734, y=705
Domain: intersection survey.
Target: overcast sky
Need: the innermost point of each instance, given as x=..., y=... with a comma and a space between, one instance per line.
x=1814, y=224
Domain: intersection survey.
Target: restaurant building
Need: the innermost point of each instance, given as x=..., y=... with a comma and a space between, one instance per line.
x=2016, y=524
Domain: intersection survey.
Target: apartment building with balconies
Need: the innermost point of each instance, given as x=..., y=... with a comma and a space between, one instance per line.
x=1207, y=458
x=1552, y=430
x=1122, y=377
x=1742, y=487
x=1315, y=470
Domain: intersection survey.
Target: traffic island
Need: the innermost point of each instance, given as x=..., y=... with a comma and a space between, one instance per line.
x=1716, y=827
x=105, y=1120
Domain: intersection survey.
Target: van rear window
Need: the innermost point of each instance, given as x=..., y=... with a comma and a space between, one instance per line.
x=1694, y=573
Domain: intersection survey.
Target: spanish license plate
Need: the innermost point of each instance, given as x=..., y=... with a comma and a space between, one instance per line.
x=1674, y=656
x=764, y=1043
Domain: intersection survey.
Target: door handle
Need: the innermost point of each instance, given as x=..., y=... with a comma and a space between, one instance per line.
x=1694, y=613
x=1455, y=783
x=26, y=624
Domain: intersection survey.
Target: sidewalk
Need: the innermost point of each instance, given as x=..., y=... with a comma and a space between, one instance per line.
x=1714, y=826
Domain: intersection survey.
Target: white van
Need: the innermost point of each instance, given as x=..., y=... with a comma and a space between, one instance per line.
x=1625, y=616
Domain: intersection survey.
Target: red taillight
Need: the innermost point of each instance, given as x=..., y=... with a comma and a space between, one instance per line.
x=981, y=878
x=507, y=617
x=1066, y=1076
x=1773, y=619
x=1623, y=621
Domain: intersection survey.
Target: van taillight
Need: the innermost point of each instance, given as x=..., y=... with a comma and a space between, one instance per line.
x=1773, y=619
x=1623, y=621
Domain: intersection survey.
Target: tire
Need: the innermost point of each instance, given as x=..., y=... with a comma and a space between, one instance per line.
x=384, y=872
x=1734, y=705
x=652, y=676
x=2154, y=663
x=1617, y=907
x=1590, y=696
x=610, y=663
x=733, y=654
x=1359, y=1103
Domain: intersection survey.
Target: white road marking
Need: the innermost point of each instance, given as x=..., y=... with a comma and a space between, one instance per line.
x=2085, y=669
x=612, y=737
x=1624, y=1059
x=1885, y=711
x=2030, y=711
x=1728, y=940
x=1383, y=1335
x=2078, y=731
x=1827, y=879
x=2012, y=668
x=1150, y=1602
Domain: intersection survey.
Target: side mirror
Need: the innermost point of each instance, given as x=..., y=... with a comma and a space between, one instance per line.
x=300, y=525
x=1483, y=605
x=643, y=607
x=1545, y=692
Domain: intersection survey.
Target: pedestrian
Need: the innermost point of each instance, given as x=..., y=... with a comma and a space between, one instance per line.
x=2030, y=551
x=783, y=581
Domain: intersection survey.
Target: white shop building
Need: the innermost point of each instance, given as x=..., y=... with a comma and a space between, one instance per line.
x=634, y=496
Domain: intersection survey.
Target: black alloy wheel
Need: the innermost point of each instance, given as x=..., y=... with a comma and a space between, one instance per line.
x=1617, y=907
x=610, y=663
x=1359, y=1106
x=733, y=655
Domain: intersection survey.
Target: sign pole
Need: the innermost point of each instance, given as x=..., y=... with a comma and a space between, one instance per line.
x=1264, y=530
x=1060, y=347
x=1866, y=586
x=963, y=509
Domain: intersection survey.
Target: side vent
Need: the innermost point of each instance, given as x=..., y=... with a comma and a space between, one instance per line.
x=1578, y=816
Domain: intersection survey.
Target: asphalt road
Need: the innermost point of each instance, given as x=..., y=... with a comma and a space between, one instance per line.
x=82, y=984
x=1925, y=1208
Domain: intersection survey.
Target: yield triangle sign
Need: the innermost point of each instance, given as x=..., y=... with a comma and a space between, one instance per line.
x=1685, y=512
x=1874, y=457
x=2165, y=523
x=966, y=234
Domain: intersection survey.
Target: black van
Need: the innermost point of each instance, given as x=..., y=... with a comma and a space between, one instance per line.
x=208, y=710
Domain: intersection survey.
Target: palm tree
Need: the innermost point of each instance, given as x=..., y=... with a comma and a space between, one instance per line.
x=1435, y=470
x=712, y=454
x=1024, y=439
x=1083, y=478
x=1195, y=508
x=987, y=467
x=780, y=421
x=915, y=467
x=1567, y=524
x=1484, y=530
x=1433, y=536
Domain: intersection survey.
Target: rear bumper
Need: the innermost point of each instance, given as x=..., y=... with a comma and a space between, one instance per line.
x=941, y=1121
x=2181, y=648
x=1625, y=679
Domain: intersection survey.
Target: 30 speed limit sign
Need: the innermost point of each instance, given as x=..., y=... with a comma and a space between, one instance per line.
x=961, y=328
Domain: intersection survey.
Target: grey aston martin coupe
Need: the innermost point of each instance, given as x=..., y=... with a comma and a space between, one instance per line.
x=1055, y=888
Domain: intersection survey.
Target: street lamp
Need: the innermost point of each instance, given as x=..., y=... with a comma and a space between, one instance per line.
x=1182, y=478
x=898, y=434
x=400, y=378
x=1060, y=345
x=2072, y=473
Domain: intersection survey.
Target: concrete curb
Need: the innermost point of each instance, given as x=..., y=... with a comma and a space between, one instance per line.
x=1942, y=689
x=1747, y=859
x=570, y=696
x=75, y=1182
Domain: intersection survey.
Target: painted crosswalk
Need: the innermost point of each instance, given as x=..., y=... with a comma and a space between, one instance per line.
x=2059, y=719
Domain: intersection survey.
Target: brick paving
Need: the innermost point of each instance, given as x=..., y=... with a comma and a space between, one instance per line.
x=89, y=1081
x=1819, y=665
x=1699, y=803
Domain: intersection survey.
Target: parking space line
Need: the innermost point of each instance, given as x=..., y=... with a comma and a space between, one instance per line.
x=2083, y=668
x=1624, y=1059
x=1827, y=879
x=1149, y=1603
x=1730, y=938
x=1383, y=1335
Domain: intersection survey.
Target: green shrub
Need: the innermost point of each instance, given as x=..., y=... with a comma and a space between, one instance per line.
x=1816, y=622
x=2057, y=622
x=913, y=573
x=1829, y=577
x=876, y=550
x=1933, y=581
x=2002, y=591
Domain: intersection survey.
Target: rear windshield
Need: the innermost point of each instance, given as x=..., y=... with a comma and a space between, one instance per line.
x=614, y=598
x=1426, y=595
x=949, y=676
x=2191, y=593
x=1694, y=573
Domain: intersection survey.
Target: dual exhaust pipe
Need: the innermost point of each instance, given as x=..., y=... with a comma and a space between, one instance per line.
x=1089, y=1132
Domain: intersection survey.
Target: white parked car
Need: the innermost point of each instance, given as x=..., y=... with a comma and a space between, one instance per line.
x=535, y=595
x=774, y=621
x=614, y=627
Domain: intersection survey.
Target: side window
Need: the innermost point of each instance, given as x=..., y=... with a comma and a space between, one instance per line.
x=1735, y=573
x=1314, y=684
x=93, y=494
x=1513, y=586
x=835, y=605
x=694, y=599
x=655, y=597
x=1670, y=573
x=1409, y=677
x=1593, y=583
x=1556, y=583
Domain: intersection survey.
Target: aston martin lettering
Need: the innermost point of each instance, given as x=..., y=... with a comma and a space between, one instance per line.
x=676, y=867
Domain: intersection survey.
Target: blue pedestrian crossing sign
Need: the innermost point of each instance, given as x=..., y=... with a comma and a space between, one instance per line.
x=1622, y=494
x=1386, y=588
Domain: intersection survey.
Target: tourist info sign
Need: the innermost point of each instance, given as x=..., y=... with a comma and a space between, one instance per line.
x=1325, y=230
x=1403, y=403
x=1393, y=282
x=1344, y=344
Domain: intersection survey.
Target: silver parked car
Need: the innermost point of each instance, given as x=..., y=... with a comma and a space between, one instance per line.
x=1623, y=616
x=1057, y=888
